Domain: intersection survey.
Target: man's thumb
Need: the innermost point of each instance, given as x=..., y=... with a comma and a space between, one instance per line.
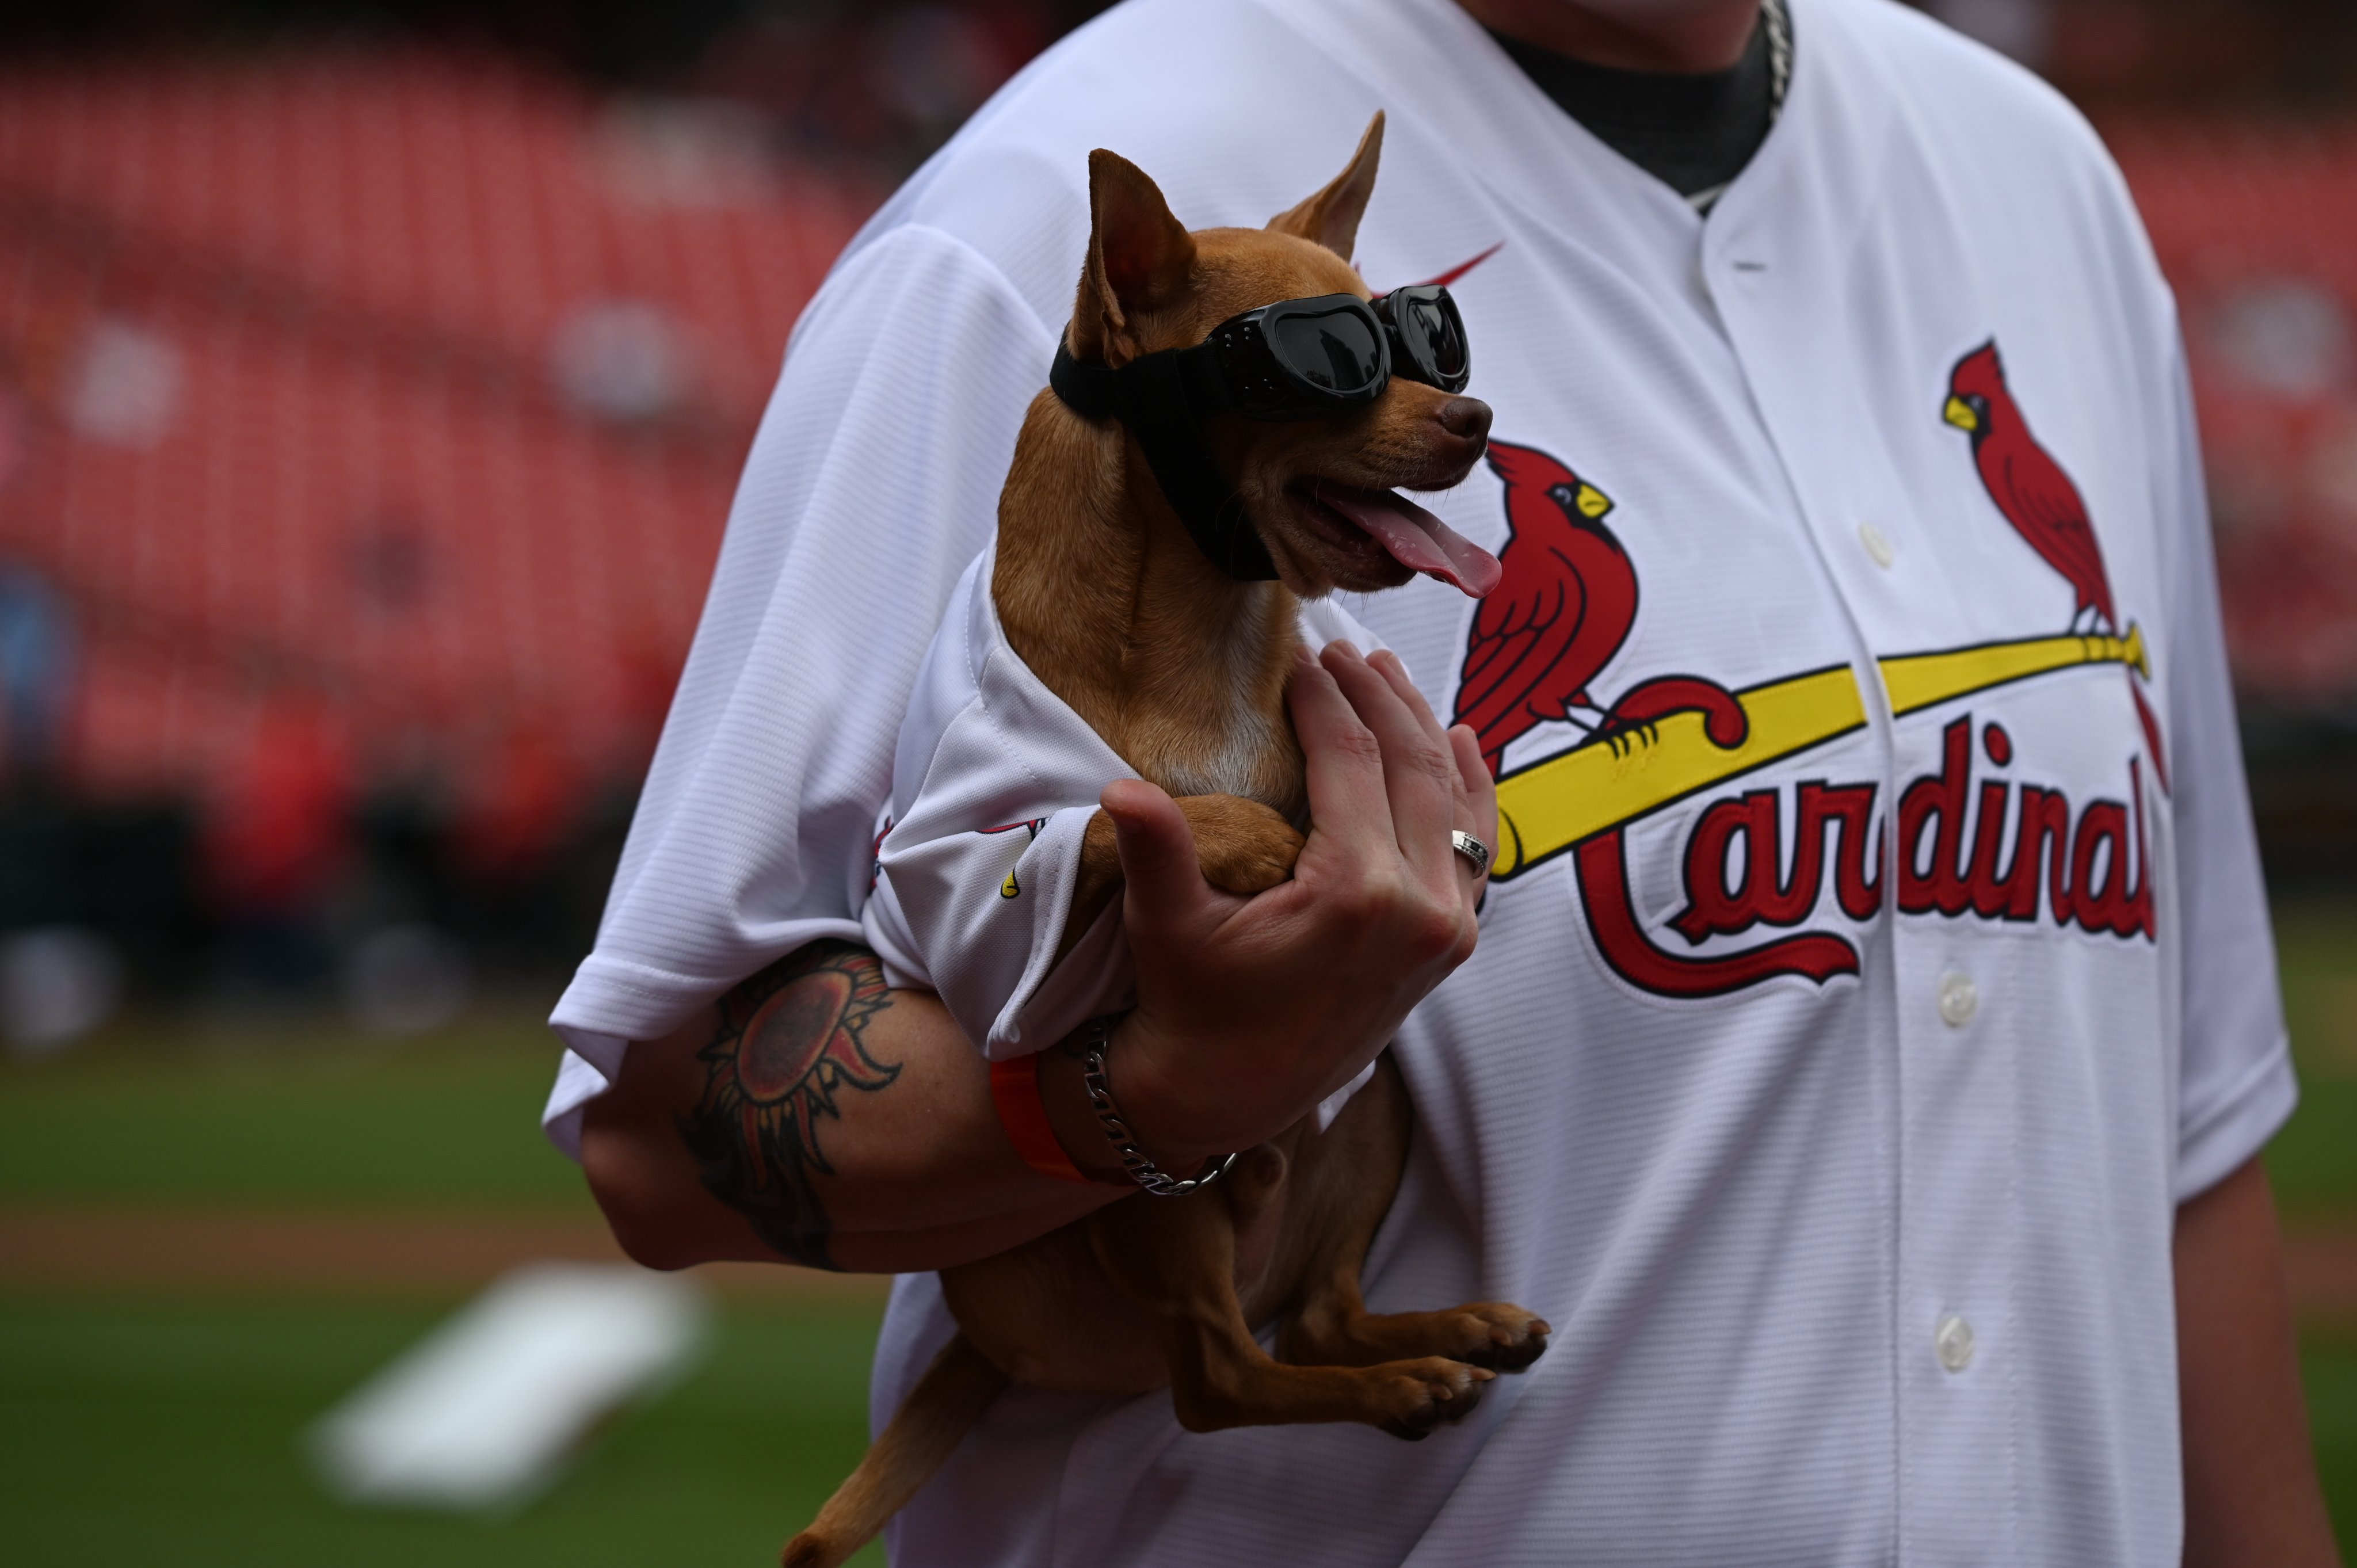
x=1157, y=847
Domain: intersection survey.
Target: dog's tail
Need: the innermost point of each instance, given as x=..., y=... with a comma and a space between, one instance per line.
x=945, y=1403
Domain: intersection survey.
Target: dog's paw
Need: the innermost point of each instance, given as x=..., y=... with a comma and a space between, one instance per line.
x=1243, y=846
x=1256, y=868
x=1499, y=1335
x=1420, y=1395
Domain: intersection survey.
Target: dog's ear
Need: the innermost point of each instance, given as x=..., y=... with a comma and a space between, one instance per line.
x=1331, y=217
x=1140, y=258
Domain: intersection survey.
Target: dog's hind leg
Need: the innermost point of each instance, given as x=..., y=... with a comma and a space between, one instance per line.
x=1176, y=1257
x=1345, y=1179
x=939, y=1411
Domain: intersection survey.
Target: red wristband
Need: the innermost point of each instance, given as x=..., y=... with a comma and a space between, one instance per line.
x=1015, y=1089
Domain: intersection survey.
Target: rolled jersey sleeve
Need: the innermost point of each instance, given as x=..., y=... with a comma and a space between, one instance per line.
x=873, y=480
x=2235, y=1080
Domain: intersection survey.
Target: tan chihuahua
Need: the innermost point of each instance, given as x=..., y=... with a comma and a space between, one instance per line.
x=1181, y=666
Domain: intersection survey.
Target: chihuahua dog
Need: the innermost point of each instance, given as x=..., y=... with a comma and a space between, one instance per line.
x=1181, y=668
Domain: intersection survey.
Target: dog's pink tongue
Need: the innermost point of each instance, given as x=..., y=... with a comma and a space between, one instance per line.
x=1417, y=539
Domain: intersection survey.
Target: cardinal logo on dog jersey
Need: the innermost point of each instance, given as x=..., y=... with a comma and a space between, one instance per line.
x=1011, y=888
x=1541, y=647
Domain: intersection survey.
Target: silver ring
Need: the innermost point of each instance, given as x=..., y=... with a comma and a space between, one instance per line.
x=1472, y=849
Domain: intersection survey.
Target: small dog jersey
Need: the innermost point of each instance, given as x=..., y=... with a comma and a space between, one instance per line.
x=994, y=781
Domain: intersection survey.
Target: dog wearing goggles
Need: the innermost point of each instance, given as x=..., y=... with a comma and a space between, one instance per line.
x=1229, y=419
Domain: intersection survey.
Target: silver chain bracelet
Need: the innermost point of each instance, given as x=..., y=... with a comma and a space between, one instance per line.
x=1135, y=1160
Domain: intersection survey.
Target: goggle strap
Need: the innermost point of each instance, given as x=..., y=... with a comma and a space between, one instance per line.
x=1158, y=398
x=1089, y=391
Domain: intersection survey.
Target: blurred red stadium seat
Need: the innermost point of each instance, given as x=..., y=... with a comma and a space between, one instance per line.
x=2256, y=224
x=412, y=384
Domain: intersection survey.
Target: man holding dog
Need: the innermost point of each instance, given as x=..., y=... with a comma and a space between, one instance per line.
x=1872, y=1107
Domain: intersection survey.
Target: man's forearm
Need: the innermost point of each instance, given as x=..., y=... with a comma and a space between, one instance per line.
x=815, y=1116
x=2251, y=1493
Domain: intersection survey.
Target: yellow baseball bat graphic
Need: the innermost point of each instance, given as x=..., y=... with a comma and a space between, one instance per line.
x=1926, y=680
x=1607, y=782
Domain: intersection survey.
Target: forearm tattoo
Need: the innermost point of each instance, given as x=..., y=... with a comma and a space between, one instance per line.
x=790, y=1039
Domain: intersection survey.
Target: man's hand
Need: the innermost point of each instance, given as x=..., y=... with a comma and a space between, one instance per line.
x=1253, y=1010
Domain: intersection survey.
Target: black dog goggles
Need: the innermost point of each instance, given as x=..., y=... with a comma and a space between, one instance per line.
x=1297, y=359
x=1300, y=358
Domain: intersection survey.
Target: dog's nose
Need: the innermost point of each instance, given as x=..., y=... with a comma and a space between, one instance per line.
x=1467, y=418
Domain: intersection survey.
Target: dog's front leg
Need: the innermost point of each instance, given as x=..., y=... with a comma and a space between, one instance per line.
x=1175, y=1258
x=1243, y=846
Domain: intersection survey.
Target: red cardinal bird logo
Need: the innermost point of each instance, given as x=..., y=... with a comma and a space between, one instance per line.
x=1560, y=612
x=2029, y=487
x=2027, y=484
x=1563, y=606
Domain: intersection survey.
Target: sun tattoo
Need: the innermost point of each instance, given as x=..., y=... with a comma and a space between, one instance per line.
x=790, y=1043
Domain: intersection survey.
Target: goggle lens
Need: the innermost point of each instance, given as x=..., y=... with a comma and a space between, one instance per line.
x=1431, y=337
x=1336, y=350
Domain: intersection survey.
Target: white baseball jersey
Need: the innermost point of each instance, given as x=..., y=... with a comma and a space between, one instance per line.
x=994, y=782
x=1877, y=952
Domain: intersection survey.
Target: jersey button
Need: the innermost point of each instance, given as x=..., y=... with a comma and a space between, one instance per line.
x=1952, y=1341
x=1959, y=1000
x=1877, y=546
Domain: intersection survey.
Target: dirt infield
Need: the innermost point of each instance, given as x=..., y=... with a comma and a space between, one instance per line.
x=440, y=1253
x=344, y=1253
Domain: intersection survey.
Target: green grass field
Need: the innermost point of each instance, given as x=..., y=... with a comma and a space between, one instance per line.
x=2313, y=1160
x=195, y=1115
x=144, y=1430
x=2313, y=1163
x=139, y=1426
x=2328, y=1367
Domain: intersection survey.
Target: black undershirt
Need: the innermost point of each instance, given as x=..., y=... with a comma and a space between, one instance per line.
x=1694, y=131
